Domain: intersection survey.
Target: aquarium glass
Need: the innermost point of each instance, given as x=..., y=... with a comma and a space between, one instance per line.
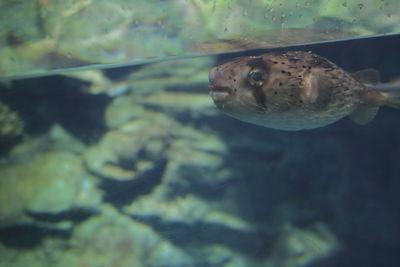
x=39, y=36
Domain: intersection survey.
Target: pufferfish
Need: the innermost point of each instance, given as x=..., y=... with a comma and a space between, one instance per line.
x=296, y=90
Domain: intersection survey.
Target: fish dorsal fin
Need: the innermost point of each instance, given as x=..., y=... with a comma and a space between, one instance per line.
x=368, y=76
x=364, y=114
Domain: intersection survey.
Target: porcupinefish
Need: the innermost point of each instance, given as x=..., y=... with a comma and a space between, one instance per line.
x=296, y=90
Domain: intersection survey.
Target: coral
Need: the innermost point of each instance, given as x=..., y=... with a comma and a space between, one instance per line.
x=10, y=123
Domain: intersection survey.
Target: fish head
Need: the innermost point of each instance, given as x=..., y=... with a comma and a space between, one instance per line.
x=254, y=85
x=237, y=86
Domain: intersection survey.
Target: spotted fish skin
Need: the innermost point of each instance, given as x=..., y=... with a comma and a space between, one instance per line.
x=292, y=90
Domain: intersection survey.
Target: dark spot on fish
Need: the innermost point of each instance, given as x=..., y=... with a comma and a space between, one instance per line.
x=275, y=62
x=280, y=83
x=299, y=76
x=304, y=66
x=283, y=71
x=294, y=60
x=289, y=73
x=234, y=80
x=283, y=63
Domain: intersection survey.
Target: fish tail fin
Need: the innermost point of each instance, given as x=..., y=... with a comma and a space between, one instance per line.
x=390, y=92
x=392, y=98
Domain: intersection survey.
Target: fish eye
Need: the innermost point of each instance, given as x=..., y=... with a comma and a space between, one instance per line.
x=255, y=77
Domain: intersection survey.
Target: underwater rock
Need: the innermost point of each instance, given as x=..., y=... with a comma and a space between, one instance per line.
x=217, y=255
x=114, y=239
x=116, y=156
x=98, y=83
x=174, y=75
x=51, y=181
x=56, y=139
x=197, y=105
x=109, y=239
x=185, y=209
x=122, y=110
x=126, y=152
x=11, y=124
x=301, y=247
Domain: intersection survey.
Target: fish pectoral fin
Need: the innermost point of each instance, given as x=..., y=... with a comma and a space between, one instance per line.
x=364, y=114
x=316, y=89
x=309, y=92
x=367, y=76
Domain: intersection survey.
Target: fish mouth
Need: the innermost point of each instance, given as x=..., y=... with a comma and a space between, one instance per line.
x=220, y=93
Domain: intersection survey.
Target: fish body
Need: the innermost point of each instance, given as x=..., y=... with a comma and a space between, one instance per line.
x=295, y=90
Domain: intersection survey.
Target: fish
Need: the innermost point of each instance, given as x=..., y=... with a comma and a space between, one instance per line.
x=296, y=90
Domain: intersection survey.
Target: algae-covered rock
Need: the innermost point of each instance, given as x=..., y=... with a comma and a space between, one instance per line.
x=301, y=247
x=217, y=255
x=109, y=239
x=57, y=139
x=50, y=182
x=186, y=209
x=113, y=239
x=154, y=136
x=10, y=123
x=125, y=144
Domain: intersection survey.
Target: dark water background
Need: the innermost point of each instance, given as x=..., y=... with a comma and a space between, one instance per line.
x=345, y=175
